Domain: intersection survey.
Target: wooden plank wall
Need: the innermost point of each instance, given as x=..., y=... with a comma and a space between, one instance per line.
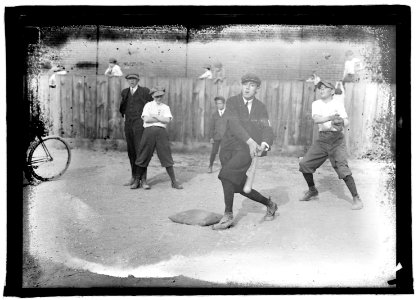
x=88, y=107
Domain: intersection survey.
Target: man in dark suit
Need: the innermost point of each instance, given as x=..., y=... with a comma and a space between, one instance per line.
x=248, y=134
x=216, y=129
x=133, y=101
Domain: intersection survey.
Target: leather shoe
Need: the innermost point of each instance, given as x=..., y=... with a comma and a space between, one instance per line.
x=309, y=195
x=271, y=210
x=145, y=185
x=136, y=184
x=357, y=203
x=176, y=185
x=226, y=222
x=130, y=182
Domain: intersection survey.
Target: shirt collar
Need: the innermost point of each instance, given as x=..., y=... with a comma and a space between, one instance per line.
x=249, y=101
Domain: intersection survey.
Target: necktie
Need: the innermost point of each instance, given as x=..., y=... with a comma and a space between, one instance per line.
x=132, y=91
x=246, y=105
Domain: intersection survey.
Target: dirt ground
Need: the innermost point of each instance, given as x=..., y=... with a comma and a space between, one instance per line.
x=88, y=230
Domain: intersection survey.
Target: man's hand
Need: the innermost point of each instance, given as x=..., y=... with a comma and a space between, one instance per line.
x=211, y=141
x=333, y=117
x=254, y=147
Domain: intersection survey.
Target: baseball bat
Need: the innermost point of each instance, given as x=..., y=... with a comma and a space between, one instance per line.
x=250, y=176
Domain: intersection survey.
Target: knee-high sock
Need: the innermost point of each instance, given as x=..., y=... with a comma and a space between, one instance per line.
x=170, y=171
x=309, y=179
x=228, y=195
x=256, y=196
x=349, y=181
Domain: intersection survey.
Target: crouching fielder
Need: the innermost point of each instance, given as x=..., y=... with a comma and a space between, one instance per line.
x=330, y=115
x=248, y=133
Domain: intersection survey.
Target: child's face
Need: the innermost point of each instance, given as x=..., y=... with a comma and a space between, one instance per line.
x=249, y=89
x=220, y=104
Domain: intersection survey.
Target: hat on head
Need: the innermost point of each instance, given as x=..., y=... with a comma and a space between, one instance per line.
x=113, y=60
x=326, y=83
x=251, y=77
x=132, y=75
x=157, y=91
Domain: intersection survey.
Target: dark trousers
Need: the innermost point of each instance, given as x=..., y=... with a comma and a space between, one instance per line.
x=155, y=137
x=215, y=149
x=330, y=144
x=133, y=134
x=235, y=164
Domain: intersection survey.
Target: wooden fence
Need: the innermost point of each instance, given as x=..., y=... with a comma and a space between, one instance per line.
x=88, y=107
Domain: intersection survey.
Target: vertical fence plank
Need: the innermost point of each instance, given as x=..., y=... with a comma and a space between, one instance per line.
x=78, y=106
x=297, y=98
x=90, y=105
x=102, y=106
x=65, y=83
x=115, y=121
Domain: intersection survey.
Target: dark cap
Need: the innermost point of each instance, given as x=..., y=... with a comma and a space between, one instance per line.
x=326, y=83
x=113, y=60
x=219, y=98
x=157, y=91
x=251, y=77
x=132, y=75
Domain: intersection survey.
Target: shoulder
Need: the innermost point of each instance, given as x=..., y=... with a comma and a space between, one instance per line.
x=317, y=103
x=234, y=99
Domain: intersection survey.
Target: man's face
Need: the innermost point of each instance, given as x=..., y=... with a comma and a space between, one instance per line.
x=325, y=92
x=220, y=104
x=133, y=82
x=111, y=65
x=249, y=89
x=158, y=98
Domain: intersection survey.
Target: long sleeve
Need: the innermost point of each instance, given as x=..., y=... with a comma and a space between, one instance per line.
x=122, y=107
x=212, y=126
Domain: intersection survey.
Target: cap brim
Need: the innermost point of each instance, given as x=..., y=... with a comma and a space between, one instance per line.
x=158, y=93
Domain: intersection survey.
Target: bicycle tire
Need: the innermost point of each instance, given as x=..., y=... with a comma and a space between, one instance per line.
x=39, y=163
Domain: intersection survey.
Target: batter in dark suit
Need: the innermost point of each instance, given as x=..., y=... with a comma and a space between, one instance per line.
x=133, y=101
x=248, y=133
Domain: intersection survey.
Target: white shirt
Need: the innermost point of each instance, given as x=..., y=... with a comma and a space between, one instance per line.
x=322, y=108
x=115, y=71
x=352, y=66
x=207, y=74
x=249, y=105
x=221, y=112
x=152, y=108
x=133, y=89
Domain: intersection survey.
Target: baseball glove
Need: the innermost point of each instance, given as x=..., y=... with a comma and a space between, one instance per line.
x=338, y=123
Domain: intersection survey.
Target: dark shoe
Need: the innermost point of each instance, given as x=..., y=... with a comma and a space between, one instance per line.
x=309, y=194
x=145, y=185
x=357, y=203
x=271, y=210
x=226, y=222
x=176, y=185
x=210, y=170
x=136, y=184
x=131, y=182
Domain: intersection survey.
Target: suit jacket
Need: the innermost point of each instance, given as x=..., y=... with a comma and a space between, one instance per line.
x=141, y=95
x=217, y=126
x=241, y=125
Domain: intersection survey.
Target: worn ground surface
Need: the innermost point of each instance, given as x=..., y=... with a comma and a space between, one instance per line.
x=88, y=230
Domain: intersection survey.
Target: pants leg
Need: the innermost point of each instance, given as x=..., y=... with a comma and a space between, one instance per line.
x=163, y=147
x=215, y=149
x=130, y=143
x=338, y=157
x=146, y=148
x=138, y=130
x=313, y=159
x=235, y=164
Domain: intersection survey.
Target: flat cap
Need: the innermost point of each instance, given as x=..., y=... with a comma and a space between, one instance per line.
x=132, y=75
x=113, y=60
x=326, y=83
x=251, y=77
x=157, y=91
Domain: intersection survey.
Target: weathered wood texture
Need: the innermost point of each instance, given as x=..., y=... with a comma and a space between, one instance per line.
x=88, y=107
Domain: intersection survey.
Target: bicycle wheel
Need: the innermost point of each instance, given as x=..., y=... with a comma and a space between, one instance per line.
x=49, y=158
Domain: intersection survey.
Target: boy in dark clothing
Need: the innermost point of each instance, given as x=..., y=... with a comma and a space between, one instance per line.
x=217, y=129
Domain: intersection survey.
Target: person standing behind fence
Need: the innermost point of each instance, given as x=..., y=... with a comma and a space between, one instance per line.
x=248, y=133
x=352, y=66
x=217, y=128
x=133, y=101
x=330, y=115
x=113, y=69
x=156, y=116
